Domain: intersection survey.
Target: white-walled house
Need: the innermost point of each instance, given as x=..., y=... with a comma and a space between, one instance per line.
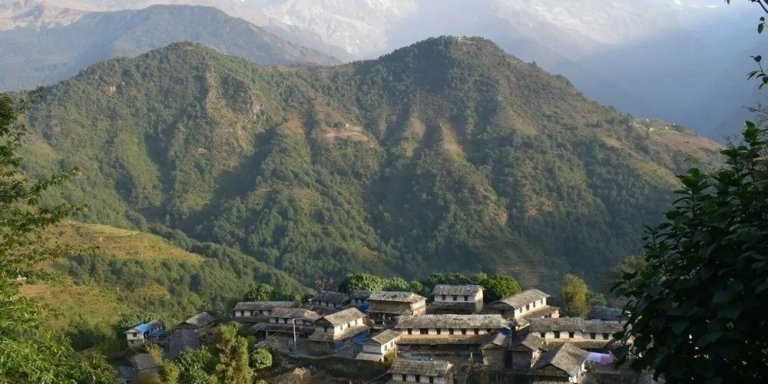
x=565, y=363
x=334, y=331
x=328, y=301
x=415, y=371
x=254, y=311
x=527, y=304
x=142, y=333
x=448, y=333
x=385, y=306
x=591, y=334
x=457, y=299
x=375, y=348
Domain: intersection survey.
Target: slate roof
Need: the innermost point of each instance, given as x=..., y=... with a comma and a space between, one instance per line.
x=332, y=297
x=262, y=305
x=566, y=358
x=343, y=316
x=424, y=368
x=384, y=337
x=181, y=340
x=458, y=290
x=359, y=295
x=574, y=324
x=451, y=321
x=523, y=298
x=395, y=296
x=540, y=312
x=497, y=341
x=297, y=313
x=143, y=362
x=605, y=313
x=201, y=320
x=530, y=342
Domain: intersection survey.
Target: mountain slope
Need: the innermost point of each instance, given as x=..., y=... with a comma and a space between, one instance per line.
x=43, y=56
x=444, y=155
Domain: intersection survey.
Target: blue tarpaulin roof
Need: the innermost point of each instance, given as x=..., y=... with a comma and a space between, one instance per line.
x=143, y=328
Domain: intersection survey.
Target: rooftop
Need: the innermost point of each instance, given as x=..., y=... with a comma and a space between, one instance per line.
x=605, y=313
x=530, y=342
x=343, y=316
x=360, y=294
x=319, y=335
x=384, y=337
x=566, y=358
x=451, y=321
x=458, y=290
x=201, y=320
x=574, y=324
x=425, y=368
x=396, y=296
x=523, y=298
x=262, y=305
x=295, y=313
x=181, y=340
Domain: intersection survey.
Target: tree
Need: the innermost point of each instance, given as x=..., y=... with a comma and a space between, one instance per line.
x=261, y=292
x=697, y=311
x=498, y=287
x=575, y=295
x=361, y=282
x=232, y=367
x=260, y=358
x=30, y=352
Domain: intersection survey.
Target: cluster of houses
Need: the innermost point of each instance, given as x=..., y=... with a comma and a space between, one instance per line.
x=520, y=334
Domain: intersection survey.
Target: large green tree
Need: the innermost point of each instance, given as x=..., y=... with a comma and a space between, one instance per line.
x=30, y=352
x=697, y=311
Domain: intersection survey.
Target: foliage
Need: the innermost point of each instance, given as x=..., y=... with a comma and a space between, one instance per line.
x=697, y=310
x=261, y=292
x=499, y=286
x=30, y=353
x=260, y=358
x=575, y=296
x=232, y=351
x=196, y=367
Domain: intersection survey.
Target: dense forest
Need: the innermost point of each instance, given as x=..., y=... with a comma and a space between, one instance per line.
x=447, y=155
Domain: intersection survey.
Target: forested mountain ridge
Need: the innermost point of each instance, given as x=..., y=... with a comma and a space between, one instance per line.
x=445, y=155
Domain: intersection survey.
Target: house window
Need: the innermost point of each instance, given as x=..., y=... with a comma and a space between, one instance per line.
x=605, y=336
x=450, y=331
x=431, y=379
x=424, y=331
x=325, y=329
x=570, y=335
x=466, y=298
x=592, y=335
x=410, y=332
x=443, y=297
x=527, y=307
x=439, y=331
x=455, y=298
x=542, y=334
x=557, y=334
x=477, y=331
x=402, y=377
x=418, y=378
x=463, y=331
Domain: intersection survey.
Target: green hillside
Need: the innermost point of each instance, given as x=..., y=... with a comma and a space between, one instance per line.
x=447, y=155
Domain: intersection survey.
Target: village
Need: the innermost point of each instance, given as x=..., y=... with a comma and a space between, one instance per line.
x=452, y=337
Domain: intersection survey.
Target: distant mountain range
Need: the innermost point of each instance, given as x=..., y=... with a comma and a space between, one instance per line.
x=54, y=52
x=684, y=61
x=446, y=155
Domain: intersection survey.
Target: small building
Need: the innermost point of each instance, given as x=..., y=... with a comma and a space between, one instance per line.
x=143, y=333
x=249, y=312
x=203, y=323
x=385, y=306
x=337, y=331
x=181, y=340
x=375, y=348
x=285, y=320
x=524, y=351
x=564, y=363
x=358, y=298
x=495, y=350
x=415, y=371
x=447, y=333
x=144, y=365
x=456, y=299
x=527, y=304
x=327, y=302
x=588, y=334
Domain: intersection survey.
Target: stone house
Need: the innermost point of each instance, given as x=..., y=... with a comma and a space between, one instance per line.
x=328, y=302
x=447, y=333
x=203, y=323
x=524, y=351
x=143, y=333
x=495, y=351
x=457, y=299
x=282, y=321
x=375, y=348
x=336, y=331
x=249, y=312
x=415, y=371
x=385, y=306
x=589, y=334
x=180, y=341
x=527, y=304
x=564, y=363
x=358, y=298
